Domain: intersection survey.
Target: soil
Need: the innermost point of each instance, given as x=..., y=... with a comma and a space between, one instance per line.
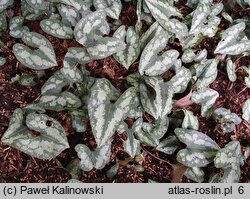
x=16, y=166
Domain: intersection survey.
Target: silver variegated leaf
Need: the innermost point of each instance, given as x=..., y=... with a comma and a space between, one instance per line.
x=69, y=14
x=4, y=4
x=229, y=156
x=16, y=29
x=38, y=4
x=104, y=115
x=246, y=111
x=196, y=140
x=231, y=175
x=195, y=157
x=231, y=43
x=161, y=7
x=91, y=28
x=211, y=26
x=79, y=5
x=162, y=11
x=132, y=50
x=79, y=120
x=111, y=7
x=153, y=30
x=206, y=97
x=205, y=20
x=54, y=84
x=59, y=102
x=191, y=41
x=195, y=173
x=93, y=159
x=227, y=119
x=156, y=97
x=202, y=55
x=48, y=144
x=168, y=145
x=56, y=28
x=74, y=57
x=199, y=17
x=206, y=72
x=105, y=47
x=132, y=145
x=42, y=58
x=152, y=133
x=153, y=64
x=190, y=121
x=179, y=82
x=216, y=9
x=188, y=56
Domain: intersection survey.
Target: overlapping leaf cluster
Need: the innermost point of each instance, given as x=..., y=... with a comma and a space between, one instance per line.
x=152, y=90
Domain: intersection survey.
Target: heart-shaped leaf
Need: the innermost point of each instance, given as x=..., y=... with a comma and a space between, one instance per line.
x=42, y=58
x=105, y=47
x=196, y=140
x=206, y=72
x=156, y=97
x=91, y=28
x=151, y=133
x=132, y=50
x=229, y=156
x=188, y=56
x=180, y=81
x=48, y=144
x=111, y=7
x=79, y=120
x=150, y=63
x=199, y=17
x=104, y=115
x=56, y=28
x=93, y=159
x=227, y=119
x=54, y=84
x=69, y=14
x=162, y=11
x=231, y=43
x=202, y=55
x=168, y=145
x=59, y=102
x=190, y=121
x=206, y=97
x=132, y=145
x=195, y=157
x=16, y=29
x=153, y=30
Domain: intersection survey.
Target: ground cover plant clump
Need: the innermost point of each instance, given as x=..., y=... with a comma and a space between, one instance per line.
x=124, y=91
